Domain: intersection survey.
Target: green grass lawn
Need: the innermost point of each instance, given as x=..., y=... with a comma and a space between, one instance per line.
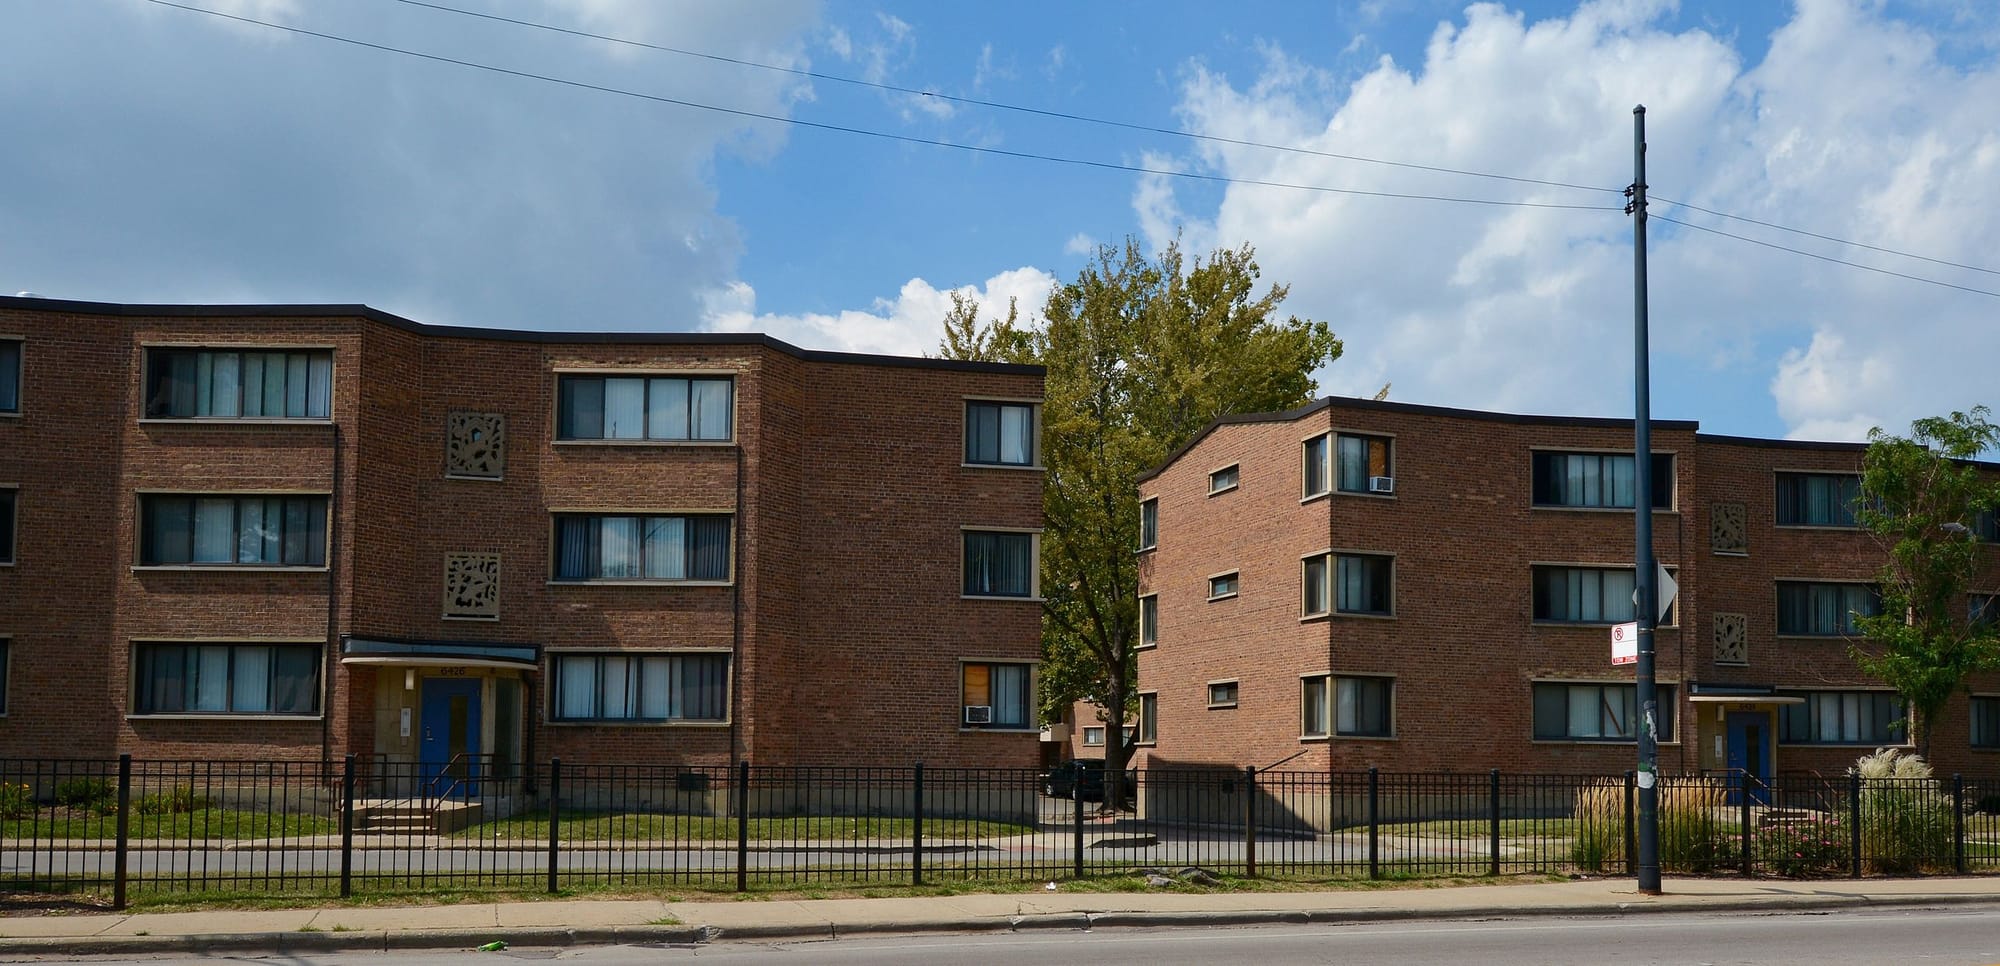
x=640, y=827
x=204, y=823
x=1479, y=828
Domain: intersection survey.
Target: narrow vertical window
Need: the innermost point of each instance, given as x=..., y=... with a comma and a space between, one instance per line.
x=1149, y=620
x=10, y=376
x=1149, y=524
x=1149, y=718
x=1317, y=468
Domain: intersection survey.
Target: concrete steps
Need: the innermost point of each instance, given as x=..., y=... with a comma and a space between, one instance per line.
x=410, y=816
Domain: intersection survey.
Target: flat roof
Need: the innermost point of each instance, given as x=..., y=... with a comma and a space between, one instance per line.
x=228, y=311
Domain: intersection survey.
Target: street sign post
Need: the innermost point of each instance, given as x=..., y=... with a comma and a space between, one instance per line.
x=1625, y=643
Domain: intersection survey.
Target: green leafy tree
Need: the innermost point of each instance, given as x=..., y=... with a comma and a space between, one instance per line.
x=1141, y=354
x=1920, y=499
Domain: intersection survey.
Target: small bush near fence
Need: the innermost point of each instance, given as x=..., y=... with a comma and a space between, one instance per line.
x=95, y=794
x=1692, y=839
x=1906, y=818
x=16, y=801
x=1805, y=847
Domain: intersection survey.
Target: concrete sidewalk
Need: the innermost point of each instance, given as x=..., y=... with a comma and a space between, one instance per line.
x=559, y=923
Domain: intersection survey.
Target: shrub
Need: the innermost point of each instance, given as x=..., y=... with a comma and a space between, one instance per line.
x=83, y=792
x=16, y=801
x=1804, y=847
x=1691, y=839
x=1906, y=818
x=180, y=800
x=1598, y=841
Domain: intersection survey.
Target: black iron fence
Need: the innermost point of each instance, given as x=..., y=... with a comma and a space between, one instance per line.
x=125, y=826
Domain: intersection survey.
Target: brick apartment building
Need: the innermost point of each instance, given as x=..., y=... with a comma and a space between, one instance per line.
x=1357, y=583
x=296, y=532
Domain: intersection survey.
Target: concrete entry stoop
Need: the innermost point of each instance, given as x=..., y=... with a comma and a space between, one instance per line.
x=414, y=816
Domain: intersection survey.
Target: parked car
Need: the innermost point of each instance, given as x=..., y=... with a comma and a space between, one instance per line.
x=1082, y=778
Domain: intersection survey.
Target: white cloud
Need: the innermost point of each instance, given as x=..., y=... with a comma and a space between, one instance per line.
x=1079, y=244
x=1852, y=126
x=910, y=324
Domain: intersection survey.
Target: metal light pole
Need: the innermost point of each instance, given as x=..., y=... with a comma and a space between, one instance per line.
x=1642, y=511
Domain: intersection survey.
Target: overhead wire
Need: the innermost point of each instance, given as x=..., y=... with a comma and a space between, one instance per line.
x=999, y=105
x=884, y=135
x=1823, y=258
x=1831, y=238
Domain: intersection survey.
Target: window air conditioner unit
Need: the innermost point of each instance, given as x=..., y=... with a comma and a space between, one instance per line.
x=1381, y=484
x=978, y=714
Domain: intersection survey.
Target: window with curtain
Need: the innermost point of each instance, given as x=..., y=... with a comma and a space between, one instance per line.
x=1363, y=584
x=1223, y=585
x=649, y=548
x=1149, y=524
x=1817, y=499
x=1313, y=716
x=1585, y=595
x=1223, y=480
x=1093, y=737
x=1986, y=525
x=1363, y=706
x=1317, y=468
x=641, y=687
x=1316, y=588
x=266, y=531
x=1000, y=433
x=1842, y=718
x=10, y=375
x=640, y=407
x=1149, y=620
x=1149, y=719
x=1359, y=458
x=1985, y=713
x=239, y=384
x=1005, y=690
x=1825, y=610
x=1983, y=610
x=225, y=679
x=999, y=564
x=1222, y=694
x=1596, y=712
x=1598, y=480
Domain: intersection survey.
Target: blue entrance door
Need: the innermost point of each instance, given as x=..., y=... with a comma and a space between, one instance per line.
x=1750, y=753
x=450, y=748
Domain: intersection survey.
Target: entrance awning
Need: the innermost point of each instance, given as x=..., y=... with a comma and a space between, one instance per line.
x=1740, y=694
x=408, y=653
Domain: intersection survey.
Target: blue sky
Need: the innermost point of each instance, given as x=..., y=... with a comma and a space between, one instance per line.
x=163, y=155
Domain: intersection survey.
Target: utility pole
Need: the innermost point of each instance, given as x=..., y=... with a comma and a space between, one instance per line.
x=1642, y=511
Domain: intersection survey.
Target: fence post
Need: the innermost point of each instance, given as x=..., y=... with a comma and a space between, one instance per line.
x=347, y=826
x=1631, y=823
x=1374, y=823
x=1250, y=821
x=1854, y=819
x=917, y=827
x=1958, y=823
x=555, y=820
x=1743, y=805
x=743, y=826
x=120, y=867
x=1078, y=827
x=1493, y=818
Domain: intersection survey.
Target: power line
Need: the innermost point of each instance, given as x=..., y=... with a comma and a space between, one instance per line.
x=1825, y=258
x=1811, y=234
x=884, y=135
x=1001, y=105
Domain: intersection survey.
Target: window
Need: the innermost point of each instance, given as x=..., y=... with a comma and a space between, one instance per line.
x=1986, y=525
x=1362, y=458
x=1149, y=524
x=8, y=496
x=1362, y=585
x=6, y=655
x=673, y=408
x=265, y=531
x=1983, y=611
x=1842, y=718
x=10, y=376
x=1596, y=712
x=225, y=679
x=1149, y=719
x=1316, y=468
x=1985, y=722
x=1000, y=434
x=1606, y=480
x=1222, y=480
x=1149, y=620
x=1817, y=499
x=641, y=687
x=1222, y=585
x=1315, y=593
x=1313, y=717
x=1222, y=694
x=1824, y=610
x=593, y=547
x=1363, y=707
x=997, y=695
x=999, y=564
x=1587, y=595
x=239, y=384
x=1093, y=737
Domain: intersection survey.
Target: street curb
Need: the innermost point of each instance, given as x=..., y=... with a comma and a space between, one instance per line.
x=529, y=936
